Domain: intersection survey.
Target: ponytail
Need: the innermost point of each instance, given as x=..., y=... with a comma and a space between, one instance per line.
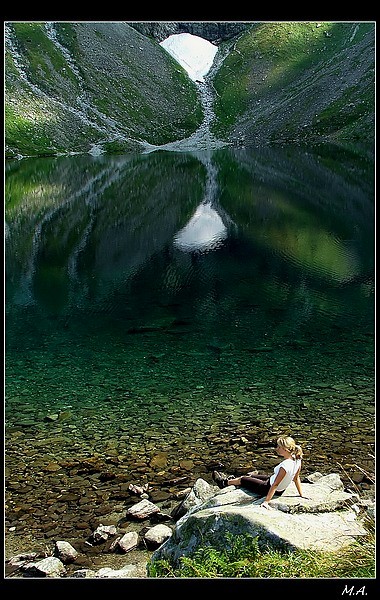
x=298, y=451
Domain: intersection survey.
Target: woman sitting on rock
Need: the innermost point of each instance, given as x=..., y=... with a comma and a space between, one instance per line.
x=269, y=485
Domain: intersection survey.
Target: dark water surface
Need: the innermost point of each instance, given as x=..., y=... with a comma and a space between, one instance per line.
x=171, y=310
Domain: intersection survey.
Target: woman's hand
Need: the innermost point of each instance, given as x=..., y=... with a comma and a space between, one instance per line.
x=266, y=505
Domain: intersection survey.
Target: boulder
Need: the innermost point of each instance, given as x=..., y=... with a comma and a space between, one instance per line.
x=102, y=534
x=129, y=541
x=157, y=535
x=47, y=567
x=200, y=492
x=142, y=510
x=322, y=520
x=65, y=552
x=129, y=571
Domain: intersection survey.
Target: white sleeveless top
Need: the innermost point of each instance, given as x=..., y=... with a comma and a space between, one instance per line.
x=291, y=467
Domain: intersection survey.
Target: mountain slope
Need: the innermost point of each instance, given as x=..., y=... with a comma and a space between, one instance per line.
x=93, y=87
x=74, y=87
x=298, y=81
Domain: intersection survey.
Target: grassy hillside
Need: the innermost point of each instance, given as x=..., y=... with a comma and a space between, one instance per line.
x=77, y=85
x=85, y=87
x=298, y=81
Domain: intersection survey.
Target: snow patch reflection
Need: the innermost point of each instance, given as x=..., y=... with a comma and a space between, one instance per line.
x=205, y=231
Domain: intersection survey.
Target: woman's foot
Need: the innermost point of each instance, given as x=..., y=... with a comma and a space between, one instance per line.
x=220, y=479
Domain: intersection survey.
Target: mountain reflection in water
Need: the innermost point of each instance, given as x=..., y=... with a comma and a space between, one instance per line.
x=236, y=267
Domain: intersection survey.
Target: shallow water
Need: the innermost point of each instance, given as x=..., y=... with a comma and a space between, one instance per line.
x=166, y=304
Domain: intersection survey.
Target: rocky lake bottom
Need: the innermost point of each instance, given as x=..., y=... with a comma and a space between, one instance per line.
x=70, y=460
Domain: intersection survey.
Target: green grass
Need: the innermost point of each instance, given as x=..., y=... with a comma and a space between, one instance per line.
x=39, y=51
x=25, y=135
x=267, y=55
x=242, y=556
x=273, y=63
x=344, y=113
x=153, y=101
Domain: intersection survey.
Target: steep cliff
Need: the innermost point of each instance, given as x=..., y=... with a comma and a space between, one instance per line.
x=209, y=30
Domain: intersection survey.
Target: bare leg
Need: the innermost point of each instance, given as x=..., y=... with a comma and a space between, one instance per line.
x=236, y=481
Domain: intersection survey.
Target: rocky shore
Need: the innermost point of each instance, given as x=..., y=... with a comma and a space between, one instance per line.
x=127, y=540
x=71, y=470
x=62, y=488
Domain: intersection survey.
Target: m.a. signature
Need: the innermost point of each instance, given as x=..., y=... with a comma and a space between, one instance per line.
x=352, y=591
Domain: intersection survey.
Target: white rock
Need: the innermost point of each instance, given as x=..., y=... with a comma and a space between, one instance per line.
x=322, y=520
x=142, y=510
x=157, y=535
x=47, y=567
x=108, y=573
x=65, y=551
x=128, y=541
x=103, y=533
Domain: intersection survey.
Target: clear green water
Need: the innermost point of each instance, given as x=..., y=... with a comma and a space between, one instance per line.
x=165, y=294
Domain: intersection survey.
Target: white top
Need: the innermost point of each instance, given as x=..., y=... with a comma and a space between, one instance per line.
x=291, y=467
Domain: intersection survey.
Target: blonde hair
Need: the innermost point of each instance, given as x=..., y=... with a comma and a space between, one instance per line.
x=289, y=444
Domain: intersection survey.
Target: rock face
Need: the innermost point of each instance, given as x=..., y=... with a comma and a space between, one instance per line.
x=212, y=31
x=325, y=519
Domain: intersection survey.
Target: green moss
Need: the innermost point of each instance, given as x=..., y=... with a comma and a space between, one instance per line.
x=343, y=113
x=23, y=134
x=120, y=146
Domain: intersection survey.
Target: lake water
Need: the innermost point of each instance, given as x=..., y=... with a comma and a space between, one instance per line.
x=169, y=304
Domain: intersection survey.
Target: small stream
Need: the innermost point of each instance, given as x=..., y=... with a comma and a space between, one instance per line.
x=202, y=139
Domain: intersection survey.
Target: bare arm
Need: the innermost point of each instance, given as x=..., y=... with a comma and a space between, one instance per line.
x=297, y=481
x=280, y=476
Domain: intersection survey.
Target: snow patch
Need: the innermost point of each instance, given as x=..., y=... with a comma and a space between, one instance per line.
x=192, y=52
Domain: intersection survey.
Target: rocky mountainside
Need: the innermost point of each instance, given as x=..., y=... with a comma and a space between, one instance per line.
x=110, y=87
x=79, y=87
x=212, y=31
x=298, y=82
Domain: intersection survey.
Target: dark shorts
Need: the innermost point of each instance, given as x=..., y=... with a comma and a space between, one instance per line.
x=259, y=484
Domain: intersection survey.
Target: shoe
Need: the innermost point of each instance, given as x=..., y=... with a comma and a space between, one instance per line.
x=220, y=479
